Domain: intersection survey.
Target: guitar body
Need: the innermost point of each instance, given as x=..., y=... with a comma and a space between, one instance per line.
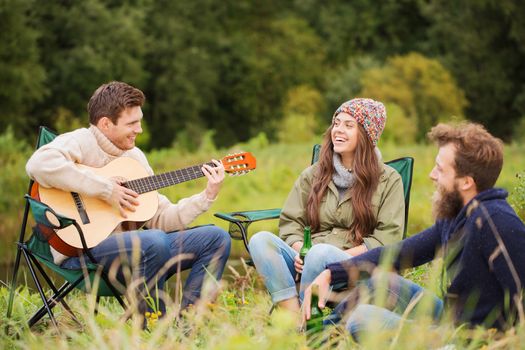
x=103, y=218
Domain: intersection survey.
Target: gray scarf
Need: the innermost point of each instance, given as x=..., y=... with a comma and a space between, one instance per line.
x=342, y=177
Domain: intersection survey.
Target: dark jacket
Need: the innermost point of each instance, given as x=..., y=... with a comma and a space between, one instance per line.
x=484, y=254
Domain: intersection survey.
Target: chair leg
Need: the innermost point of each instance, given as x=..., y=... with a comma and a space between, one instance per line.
x=44, y=274
x=54, y=300
x=244, y=235
x=57, y=297
x=14, y=282
x=105, y=277
x=41, y=292
x=64, y=290
x=96, y=304
x=115, y=292
x=55, y=291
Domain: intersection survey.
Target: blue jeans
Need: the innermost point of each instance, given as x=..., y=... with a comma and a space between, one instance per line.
x=399, y=293
x=274, y=260
x=159, y=255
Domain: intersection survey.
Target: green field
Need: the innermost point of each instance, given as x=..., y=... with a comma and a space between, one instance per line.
x=278, y=165
x=239, y=319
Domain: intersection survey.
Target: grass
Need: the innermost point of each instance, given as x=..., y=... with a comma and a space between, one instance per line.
x=239, y=319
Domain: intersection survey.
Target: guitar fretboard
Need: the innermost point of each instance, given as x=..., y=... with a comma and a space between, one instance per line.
x=154, y=182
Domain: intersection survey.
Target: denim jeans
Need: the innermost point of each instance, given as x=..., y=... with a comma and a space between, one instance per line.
x=400, y=292
x=159, y=255
x=274, y=260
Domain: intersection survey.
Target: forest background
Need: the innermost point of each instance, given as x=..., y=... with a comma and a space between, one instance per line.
x=259, y=76
x=222, y=74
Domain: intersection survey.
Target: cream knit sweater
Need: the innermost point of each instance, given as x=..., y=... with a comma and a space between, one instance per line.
x=53, y=165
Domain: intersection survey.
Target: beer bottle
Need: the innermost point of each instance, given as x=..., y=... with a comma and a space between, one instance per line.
x=315, y=323
x=307, y=242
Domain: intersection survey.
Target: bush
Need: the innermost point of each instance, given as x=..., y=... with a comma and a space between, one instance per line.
x=13, y=179
x=300, y=121
x=13, y=184
x=400, y=129
x=422, y=87
x=345, y=83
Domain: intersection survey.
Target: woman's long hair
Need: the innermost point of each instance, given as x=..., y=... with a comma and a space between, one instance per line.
x=366, y=169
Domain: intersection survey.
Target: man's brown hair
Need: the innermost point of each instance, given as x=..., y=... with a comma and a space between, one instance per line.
x=478, y=153
x=110, y=99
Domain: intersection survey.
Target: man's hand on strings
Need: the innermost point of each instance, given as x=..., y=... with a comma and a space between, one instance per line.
x=122, y=197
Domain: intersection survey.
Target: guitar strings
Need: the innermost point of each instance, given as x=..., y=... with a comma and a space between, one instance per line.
x=154, y=182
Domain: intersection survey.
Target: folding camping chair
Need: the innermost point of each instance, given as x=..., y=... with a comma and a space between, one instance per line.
x=239, y=221
x=37, y=254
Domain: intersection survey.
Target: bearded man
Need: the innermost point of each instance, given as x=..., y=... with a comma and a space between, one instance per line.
x=478, y=234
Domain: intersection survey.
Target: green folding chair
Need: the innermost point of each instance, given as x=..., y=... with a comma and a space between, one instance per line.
x=37, y=254
x=239, y=221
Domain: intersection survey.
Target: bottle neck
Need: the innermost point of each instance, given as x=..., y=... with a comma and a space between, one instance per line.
x=315, y=301
x=307, y=238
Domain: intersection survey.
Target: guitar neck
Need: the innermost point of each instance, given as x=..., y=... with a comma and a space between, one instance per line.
x=155, y=182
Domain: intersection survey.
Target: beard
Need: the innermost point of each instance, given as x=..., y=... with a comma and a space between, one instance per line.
x=446, y=205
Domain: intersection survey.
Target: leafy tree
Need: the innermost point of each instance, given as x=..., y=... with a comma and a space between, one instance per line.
x=265, y=64
x=378, y=28
x=483, y=45
x=422, y=87
x=21, y=75
x=230, y=67
x=85, y=44
x=182, y=39
x=344, y=83
x=301, y=115
x=399, y=128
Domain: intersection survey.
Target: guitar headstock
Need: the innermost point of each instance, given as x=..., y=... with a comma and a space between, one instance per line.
x=239, y=163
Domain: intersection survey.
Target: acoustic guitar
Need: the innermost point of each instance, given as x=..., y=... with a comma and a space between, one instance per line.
x=98, y=219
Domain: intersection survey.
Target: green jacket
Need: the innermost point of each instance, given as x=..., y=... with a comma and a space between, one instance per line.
x=336, y=215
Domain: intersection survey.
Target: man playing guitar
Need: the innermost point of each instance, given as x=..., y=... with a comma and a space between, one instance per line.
x=115, y=116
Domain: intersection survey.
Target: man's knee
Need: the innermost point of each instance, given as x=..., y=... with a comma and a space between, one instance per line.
x=155, y=241
x=371, y=318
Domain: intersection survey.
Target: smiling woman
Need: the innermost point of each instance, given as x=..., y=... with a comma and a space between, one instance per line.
x=351, y=200
x=344, y=137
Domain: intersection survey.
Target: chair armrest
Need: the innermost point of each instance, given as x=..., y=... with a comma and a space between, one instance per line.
x=40, y=212
x=45, y=215
x=240, y=220
x=250, y=215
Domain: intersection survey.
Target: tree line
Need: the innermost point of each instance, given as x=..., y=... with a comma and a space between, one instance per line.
x=239, y=68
